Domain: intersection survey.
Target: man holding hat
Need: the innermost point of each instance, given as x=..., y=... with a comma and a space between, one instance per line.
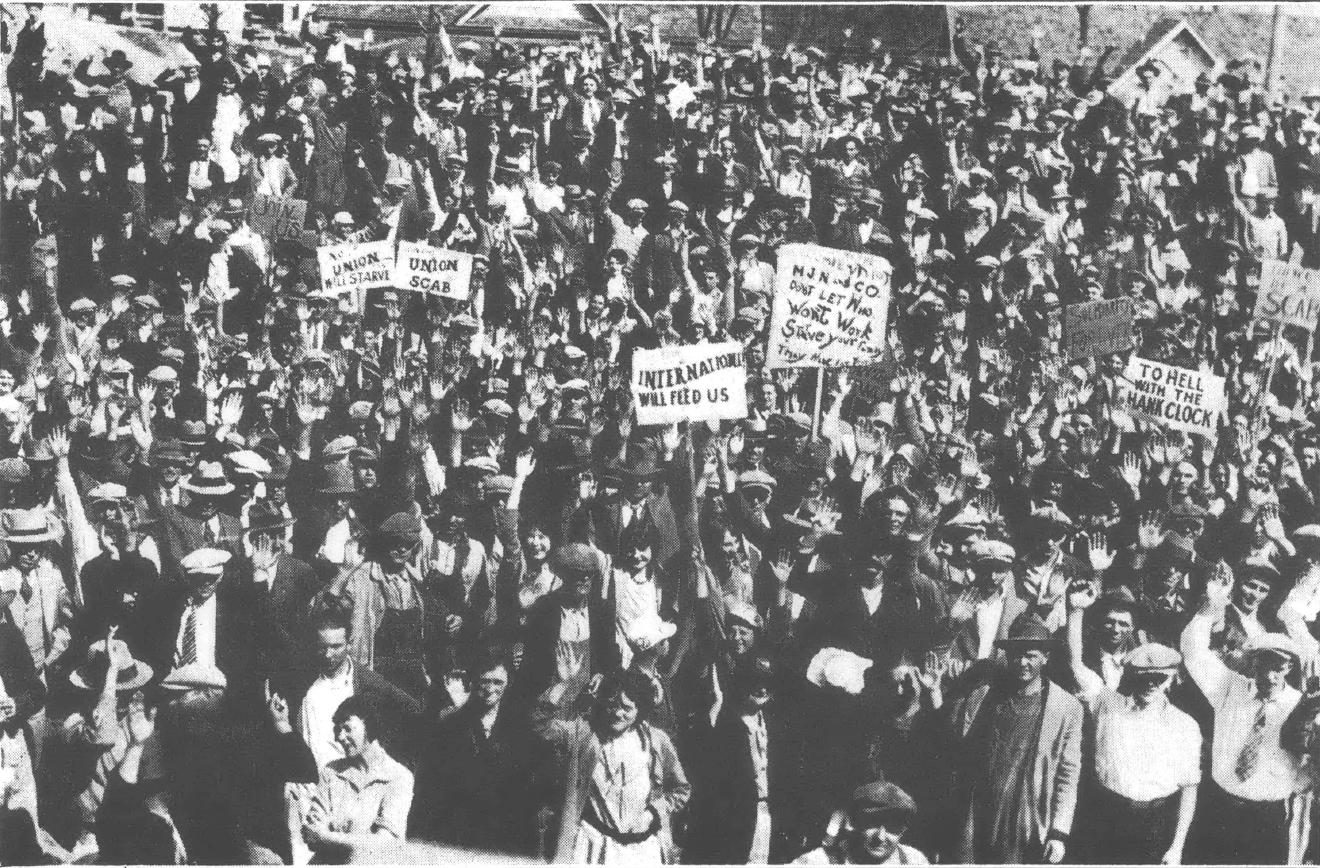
x=1021, y=738
x=1147, y=761
x=1246, y=816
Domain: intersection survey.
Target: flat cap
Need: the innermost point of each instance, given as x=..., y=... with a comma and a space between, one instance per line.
x=205, y=560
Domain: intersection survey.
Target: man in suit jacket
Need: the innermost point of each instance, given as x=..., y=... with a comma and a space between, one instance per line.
x=636, y=502
x=201, y=620
x=200, y=523
x=281, y=588
x=1021, y=736
x=472, y=786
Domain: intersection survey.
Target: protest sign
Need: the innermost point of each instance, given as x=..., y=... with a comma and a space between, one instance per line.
x=276, y=218
x=830, y=308
x=1176, y=398
x=346, y=267
x=1097, y=328
x=698, y=382
x=1288, y=294
x=433, y=270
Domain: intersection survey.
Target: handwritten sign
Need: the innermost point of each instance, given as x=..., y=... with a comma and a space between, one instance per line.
x=698, y=382
x=1097, y=328
x=1176, y=398
x=830, y=308
x=349, y=267
x=277, y=218
x=1288, y=294
x=433, y=270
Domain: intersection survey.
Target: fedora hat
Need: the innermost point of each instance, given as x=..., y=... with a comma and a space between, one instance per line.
x=28, y=526
x=195, y=676
x=208, y=479
x=132, y=673
x=265, y=516
x=1028, y=631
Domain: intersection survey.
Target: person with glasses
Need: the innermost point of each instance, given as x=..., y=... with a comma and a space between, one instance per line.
x=1139, y=806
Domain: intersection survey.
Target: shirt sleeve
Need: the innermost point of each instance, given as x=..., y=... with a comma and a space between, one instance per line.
x=1188, y=746
x=394, y=807
x=1204, y=665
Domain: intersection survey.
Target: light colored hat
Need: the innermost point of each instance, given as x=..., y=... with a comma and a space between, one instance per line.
x=835, y=667
x=470, y=46
x=249, y=462
x=992, y=552
x=107, y=492
x=195, y=676
x=132, y=673
x=81, y=304
x=338, y=448
x=348, y=69
x=1153, y=657
x=206, y=560
x=163, y=374
x=209, y=478
x=1273, y=643
x=648, y=631
x=743, y=612
x=27, y=526
x=342, y=218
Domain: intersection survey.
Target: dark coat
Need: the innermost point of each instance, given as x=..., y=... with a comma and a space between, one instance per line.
x=541, y=637
x=162, y=615
x=474, y=791
x=723, y=821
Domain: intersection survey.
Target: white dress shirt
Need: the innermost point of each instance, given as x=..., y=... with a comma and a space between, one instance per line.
x=206, y=617
x=315, y=719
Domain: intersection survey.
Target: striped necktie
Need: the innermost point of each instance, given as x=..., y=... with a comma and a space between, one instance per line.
x=188, y=652
x=1249, y=758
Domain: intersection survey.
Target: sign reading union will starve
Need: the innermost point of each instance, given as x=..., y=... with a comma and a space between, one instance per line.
x=433, y=270
x=1176, y=398
x=697, y=382
x=1097, y=328
x=830, y=308
x=346, y=267
x=1288, y=294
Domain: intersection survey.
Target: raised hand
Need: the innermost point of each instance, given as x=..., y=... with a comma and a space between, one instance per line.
x=1081, y=595
x=782, y=565
x=1149, y=532
x=1219, y=588
x=231, y=410
x=141, y=722
x=264, y=554
x=1131, y=470
x=670, y=439
x=58, y=443
x=461, y=420
x=524, y=464
x=946, y=488
x=1099, y=553
x=305, y=411
x=40, y=332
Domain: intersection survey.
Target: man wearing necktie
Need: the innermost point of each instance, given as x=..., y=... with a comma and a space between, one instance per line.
x=1248, y=814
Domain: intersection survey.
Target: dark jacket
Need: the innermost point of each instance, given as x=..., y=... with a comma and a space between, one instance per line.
x=474, y=791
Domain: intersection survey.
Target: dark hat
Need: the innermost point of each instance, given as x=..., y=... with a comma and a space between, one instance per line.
x=1028, y=631
x=337, y=479
x=571, y=454
x=265, y=516
x=192, y=433
x=875, y=800
x=168, y=452
x=402, y=527
x=1117, y=599
x=576, y=558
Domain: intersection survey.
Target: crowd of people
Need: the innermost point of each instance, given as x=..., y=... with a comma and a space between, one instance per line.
x=297, y=573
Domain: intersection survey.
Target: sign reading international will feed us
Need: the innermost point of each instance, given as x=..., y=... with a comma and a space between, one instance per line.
x=689, y=383
x=364, y=265
x=1176, y=398
x=1097, y=328
x=830, y=308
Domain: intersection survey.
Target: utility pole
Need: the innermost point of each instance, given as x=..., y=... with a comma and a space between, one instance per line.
x=1276, y=33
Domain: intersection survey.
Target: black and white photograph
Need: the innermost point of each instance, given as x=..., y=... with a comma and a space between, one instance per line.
x=646, y=434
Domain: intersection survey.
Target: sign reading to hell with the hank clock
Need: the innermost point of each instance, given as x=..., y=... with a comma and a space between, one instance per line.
x=689, y=383
x=830, y=308
x=1177, y=398
x=433, y=270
